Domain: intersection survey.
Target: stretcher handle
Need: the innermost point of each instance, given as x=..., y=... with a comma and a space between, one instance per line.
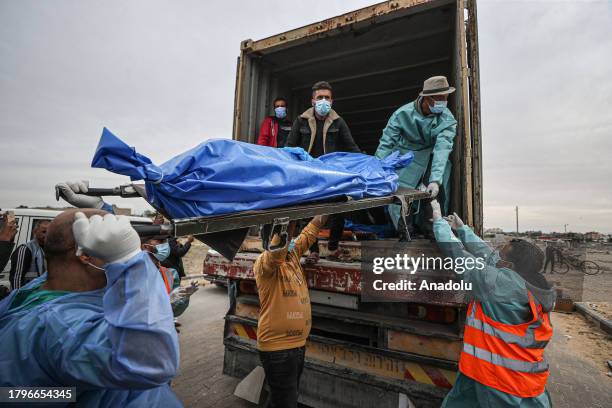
x=126, y=191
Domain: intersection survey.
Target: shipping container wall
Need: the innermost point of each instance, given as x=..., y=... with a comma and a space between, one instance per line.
x=375, y=66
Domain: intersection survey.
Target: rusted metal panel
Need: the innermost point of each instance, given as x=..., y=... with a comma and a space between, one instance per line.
x=240, y=268
x=418, y=320
x=472, y=44
x=340, y=277
x=327, y=385
x=239, y=96
x=468, y=209
x=249, y=311
x=325, y=275
x=373, y=362
x=326, y=27
x=334, y=299
x=430, y=346
x=379, y=365
x=334, y=276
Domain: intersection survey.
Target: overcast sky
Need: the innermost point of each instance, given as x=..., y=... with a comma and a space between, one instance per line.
x=160, y=75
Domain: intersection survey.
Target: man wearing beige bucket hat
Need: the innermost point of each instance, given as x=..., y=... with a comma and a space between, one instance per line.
x=428, y=128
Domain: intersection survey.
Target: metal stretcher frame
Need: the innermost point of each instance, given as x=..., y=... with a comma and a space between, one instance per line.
x=282, y=215
x=225, y=233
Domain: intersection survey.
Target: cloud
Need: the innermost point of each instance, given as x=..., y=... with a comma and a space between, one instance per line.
x=547, y=113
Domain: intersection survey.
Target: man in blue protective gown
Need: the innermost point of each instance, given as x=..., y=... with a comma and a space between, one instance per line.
x=99, y=319
x=428, y=128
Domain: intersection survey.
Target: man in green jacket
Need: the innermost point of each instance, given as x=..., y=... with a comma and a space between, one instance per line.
x=508, y=289
x=428, y=128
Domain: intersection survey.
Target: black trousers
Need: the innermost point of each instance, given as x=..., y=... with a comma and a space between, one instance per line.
x=283, y=370
x=336, y=223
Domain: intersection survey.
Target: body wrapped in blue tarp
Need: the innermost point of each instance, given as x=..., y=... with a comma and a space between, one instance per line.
x=223, y=176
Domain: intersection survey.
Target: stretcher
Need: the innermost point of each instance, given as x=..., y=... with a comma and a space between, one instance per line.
x=226, y=232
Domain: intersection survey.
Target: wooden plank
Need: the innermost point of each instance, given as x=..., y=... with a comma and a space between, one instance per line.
x=425, y=345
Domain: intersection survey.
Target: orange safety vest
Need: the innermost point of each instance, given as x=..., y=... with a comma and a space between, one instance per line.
x=507, y=357
x=163, y=272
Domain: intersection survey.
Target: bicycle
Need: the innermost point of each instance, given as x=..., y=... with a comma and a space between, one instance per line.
x=565, y=262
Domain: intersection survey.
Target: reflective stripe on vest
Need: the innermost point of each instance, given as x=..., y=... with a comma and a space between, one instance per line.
x=509, y=358
x=509, y=363
x=527, y=341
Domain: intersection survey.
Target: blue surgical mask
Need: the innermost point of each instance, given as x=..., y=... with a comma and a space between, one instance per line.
x=438, y=107
x=322, y=107
x=291, y=245
x=163, y=251
x=280, y=112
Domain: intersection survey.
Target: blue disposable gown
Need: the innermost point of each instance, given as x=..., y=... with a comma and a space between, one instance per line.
x=503, y=296
x=428, y=137
x=117, y=345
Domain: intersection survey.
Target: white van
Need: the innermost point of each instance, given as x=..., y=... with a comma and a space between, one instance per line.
x=27, y=218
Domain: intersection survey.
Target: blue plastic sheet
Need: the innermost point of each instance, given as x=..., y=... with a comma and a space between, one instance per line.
x=223, y=176
x=381, y=231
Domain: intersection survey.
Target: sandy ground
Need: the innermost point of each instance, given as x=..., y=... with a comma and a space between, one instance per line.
x=587, y=288
x=584, y=339
x=603, y=308
x=193, y=261
x=584, y=288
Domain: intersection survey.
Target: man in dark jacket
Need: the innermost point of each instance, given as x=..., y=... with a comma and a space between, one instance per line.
x=28, y=260
x=177, y=252
x=320, y=130
x=275, y=129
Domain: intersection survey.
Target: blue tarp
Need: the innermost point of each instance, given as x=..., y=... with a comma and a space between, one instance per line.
x=223, y=176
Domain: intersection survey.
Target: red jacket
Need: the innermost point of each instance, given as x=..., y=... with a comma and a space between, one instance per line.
x=268, y=132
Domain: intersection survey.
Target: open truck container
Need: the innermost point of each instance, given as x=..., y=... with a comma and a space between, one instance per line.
x=362, y=354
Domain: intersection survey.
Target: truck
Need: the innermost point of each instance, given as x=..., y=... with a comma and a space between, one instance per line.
x=359, y=353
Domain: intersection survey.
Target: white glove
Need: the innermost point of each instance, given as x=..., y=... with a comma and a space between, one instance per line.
x=183, y=292
x=436, y=211
x=176, y=295
x=433, y=189
x=454, y=221
x=111, y=238
x=71, y=192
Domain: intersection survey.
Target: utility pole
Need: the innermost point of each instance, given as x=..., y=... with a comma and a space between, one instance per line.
x=565, y=227
x=517, y=229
